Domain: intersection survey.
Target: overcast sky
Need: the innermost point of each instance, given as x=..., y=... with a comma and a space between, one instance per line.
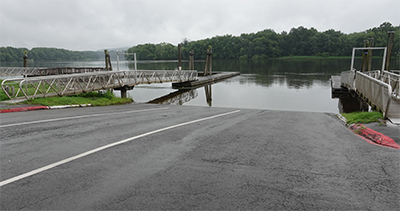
x=101, y=24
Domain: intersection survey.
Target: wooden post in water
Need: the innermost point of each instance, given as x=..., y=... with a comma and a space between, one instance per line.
x=179, y=57
x=369, y=56
x=108, y=60
x=26, y=59
x=210, y=62
x=364, y=61
x=191, y=60
x=389, y=50
x=106, y=54
x=208, y=66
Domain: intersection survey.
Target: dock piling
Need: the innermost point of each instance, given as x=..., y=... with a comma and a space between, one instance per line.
x=26, y=59
x=370, y=44
x=208, y=66
x=108, y=60
x=191, y=60
x=389, y=50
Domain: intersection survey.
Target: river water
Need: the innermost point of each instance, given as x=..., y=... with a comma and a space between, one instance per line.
x=274, y=84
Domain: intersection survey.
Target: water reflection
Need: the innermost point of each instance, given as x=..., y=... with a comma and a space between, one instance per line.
x=183, y=96
x=348, y=104
x=207, y=89
x=176, y=98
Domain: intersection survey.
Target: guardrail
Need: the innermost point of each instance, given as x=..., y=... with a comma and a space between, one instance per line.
x=61, y=85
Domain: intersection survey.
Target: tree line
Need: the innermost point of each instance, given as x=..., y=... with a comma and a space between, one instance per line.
x=298, y=41
x=11, y=54
x=269, y=44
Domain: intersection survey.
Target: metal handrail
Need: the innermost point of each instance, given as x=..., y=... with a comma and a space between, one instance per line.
x=347, y=79
x=374, y=73
x=393, y=80
x=369, y=86
x=375, y=90
x=44, y=86
x=40, y=71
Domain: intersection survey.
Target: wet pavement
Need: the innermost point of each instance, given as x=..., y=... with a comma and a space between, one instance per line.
x=386, y=128
x=157, y=157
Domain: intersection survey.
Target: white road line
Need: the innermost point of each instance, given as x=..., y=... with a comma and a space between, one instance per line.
x=36, y=171
x=77, y=117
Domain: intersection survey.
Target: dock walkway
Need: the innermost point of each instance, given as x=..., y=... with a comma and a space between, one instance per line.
x=204, y=80
x=69, y=84
x=371, y=86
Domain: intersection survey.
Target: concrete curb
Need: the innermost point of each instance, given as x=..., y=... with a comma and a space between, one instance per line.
x=29, y=108
x=371, y=136
x=69, y=106
x=374, y=136
x=32, y=108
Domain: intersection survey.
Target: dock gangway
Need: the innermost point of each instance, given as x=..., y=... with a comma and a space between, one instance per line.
x=41, y=71
x=69, y=84
x=379, y=88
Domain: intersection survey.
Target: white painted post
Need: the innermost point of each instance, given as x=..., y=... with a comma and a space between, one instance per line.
x=117, y=60
x=352, y=59
x=384, y=59
x=134, y=58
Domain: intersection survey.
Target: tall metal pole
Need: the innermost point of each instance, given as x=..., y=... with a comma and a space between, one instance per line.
x=352, y=59
x=134, y=57
x=117, y=60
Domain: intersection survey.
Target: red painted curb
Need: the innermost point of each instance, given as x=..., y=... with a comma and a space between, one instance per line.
x=374, y=136
x=29, y=108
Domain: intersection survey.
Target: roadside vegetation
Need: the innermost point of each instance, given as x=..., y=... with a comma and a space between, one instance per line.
x=362, y=117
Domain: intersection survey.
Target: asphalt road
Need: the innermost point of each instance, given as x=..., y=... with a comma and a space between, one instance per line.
x=153, y=157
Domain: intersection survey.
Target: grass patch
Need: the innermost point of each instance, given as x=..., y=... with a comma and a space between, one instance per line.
x=93, y=98
x=3, y=95
x=362, y=117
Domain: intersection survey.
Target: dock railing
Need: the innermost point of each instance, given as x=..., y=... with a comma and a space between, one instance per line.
x=61, y=85
x=374, y=90
x=370, y=87
x=40, y=71
x=393, y=80
x=347, y=79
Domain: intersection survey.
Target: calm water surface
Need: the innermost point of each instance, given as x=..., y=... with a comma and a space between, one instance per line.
x=295, y=85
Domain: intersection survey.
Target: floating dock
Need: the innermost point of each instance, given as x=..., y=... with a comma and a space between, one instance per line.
x=204, y=80
x=337, y=89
